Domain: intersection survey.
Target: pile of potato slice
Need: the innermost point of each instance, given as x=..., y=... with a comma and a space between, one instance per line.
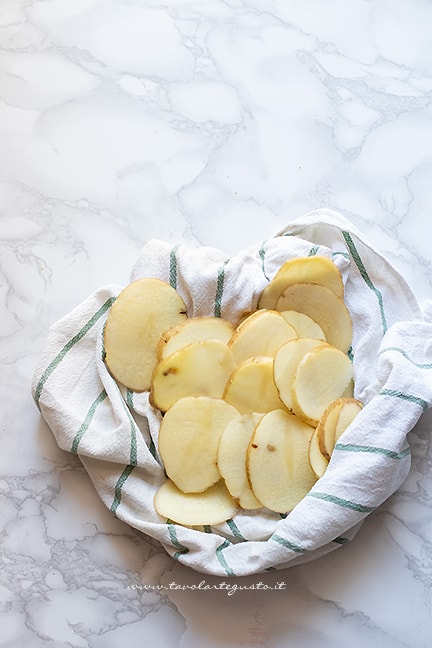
x=251, y=413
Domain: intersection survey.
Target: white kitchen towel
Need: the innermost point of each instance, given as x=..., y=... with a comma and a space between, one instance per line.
x=114, y=431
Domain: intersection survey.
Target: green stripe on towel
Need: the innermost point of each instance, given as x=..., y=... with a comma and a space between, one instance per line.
x=219, y=290
x=133, y=460
x=360, y=265
x=151, y=445
x=342, y=502
x=341, y=540
x=287, y=543
x=181, y=548
x=406, y=356
x=235, y=530
x=173, y=267
x=88, y=419
x=69, y=345
x=118, y=488
x=407, y=397
x=391, y=454
x=261, y=253
x=221, y=558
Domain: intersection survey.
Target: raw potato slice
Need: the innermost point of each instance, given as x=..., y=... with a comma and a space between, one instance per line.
x=349, y=391
x=334, y=421
x=286, y=362
x=277, y=461
x=233, y=445
x=326, y=428
x=324, y=307
x=321, y=377
x=138, y=317
x=251, y=388
x=318, y=462
x=213, y=506
x=349, y=410
x=304, y=325
x=260, y=334
x=189, y=438
x=198, y=369
x=194, y=329
x=315, y=269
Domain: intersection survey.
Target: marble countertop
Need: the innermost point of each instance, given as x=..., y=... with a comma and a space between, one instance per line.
x=207, y=123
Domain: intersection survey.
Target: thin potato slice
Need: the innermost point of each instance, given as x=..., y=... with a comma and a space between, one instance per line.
x=213, y=506
x=198, y=369
x=324, y=307
x=315, y=269
x=321, y=377
x=286, y=362
x=189, y=438
x=349, y=391
x=318, y=462
x=304, y=325
x=277, y=461
x=334, y=421
x=349, y=410
x=138, y=317
x=231, y=460
x=194, y=329
x=260, y=334
x=326, y=428
x=251, y=388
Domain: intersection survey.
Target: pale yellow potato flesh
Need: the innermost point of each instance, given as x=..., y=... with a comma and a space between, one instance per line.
x=304, y=325
x=213, y=506
x=189, y=438
x=194, y=329
x=260, y=334
x=251, y=388
x=198, y=369
x=233, y=445
x=315, y=269
x=285, y=364
x=326, y=428
x=349, y=391
x=324, y=307
x=318, y=462
x=278, y=466
x=321, y=377
x=231, y=435
x=335, y=420
x=349, y=410
x=138, y=317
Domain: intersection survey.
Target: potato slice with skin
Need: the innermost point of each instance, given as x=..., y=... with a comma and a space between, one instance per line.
x=349, y=410
x=334, y=421
x=318, y=462
x=321, y=377
x=251, y=388
x=314, y=269
x=233, y=446
x=138, y=317
x=213, y=506
x=260, y=334
x=189, y=438
x=304, y=325
x=194, y=329
x=277, y=461
x=285, y=364
x=326, y=428
x=324, y=307
x=198, y=369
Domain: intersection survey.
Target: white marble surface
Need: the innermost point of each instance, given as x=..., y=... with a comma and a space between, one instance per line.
x=210, y=122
